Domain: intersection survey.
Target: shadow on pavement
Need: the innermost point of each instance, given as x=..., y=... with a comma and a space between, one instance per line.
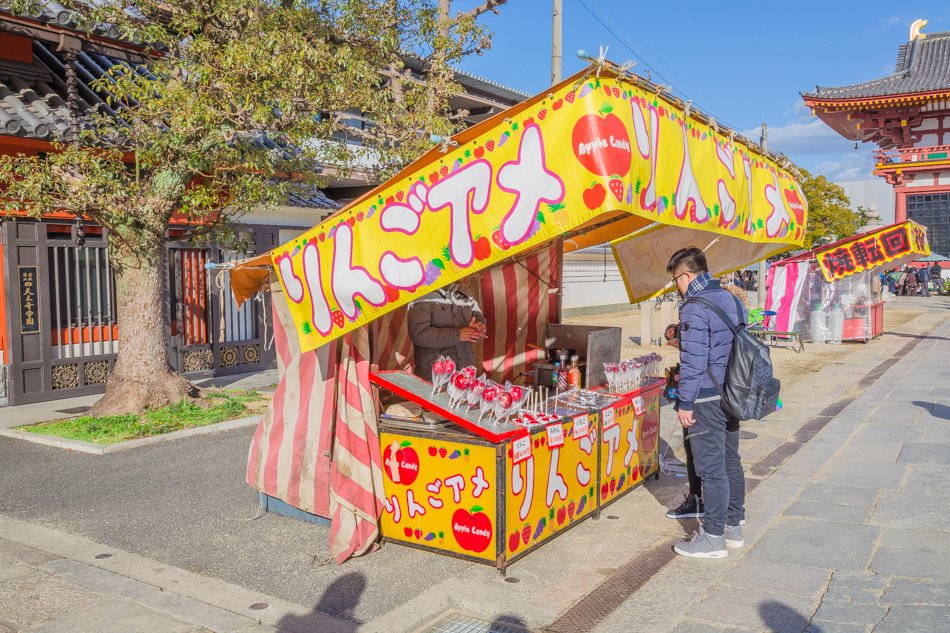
x=669, y=491
x=339, y=599
x=941, y=411
x=922, y=337
x=781, y=618
x=508, y=624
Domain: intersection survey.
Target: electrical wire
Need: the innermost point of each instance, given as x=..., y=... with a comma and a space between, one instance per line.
x=596, y=12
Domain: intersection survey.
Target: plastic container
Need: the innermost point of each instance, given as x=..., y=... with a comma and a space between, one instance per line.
x=818, y=326
x=835, y=325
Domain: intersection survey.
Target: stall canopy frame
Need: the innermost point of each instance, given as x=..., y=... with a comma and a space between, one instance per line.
x=626, y=155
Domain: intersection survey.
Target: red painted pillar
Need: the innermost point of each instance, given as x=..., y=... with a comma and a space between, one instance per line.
x=900, y=206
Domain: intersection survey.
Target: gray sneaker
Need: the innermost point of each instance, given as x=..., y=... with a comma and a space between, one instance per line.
x=703, y=545
x=734, y=536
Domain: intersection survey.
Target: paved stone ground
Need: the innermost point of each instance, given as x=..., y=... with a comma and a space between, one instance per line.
x=850, y=534
x=833, y=525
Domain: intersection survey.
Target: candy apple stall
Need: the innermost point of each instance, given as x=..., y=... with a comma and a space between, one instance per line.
x=549, y=424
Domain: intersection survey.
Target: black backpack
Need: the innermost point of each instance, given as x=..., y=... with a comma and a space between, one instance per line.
x=750, y=390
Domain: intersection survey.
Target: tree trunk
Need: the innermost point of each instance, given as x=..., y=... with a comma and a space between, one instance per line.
x=142, y=378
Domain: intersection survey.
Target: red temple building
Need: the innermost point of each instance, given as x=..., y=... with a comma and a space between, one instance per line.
x=907, y=115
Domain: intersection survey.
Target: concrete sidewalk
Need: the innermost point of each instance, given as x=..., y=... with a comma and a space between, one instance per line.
x=19, y=415
x=835, y=509
x=850, y=534
x=53, y=582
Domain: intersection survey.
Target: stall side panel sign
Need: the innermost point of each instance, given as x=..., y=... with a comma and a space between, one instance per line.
x=439, y=494
x=648, y=435
x=551, y=489
x=619, y=457
x=540, y=170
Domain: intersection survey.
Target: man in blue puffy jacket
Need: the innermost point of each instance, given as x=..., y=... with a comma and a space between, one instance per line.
x=705, y=347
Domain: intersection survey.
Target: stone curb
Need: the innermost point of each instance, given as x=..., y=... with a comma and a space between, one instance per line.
x=175, y=584
x=99, y=449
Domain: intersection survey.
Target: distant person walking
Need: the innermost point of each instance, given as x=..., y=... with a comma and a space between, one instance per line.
x=936, y=278
x=911, y=283
x=923, y=276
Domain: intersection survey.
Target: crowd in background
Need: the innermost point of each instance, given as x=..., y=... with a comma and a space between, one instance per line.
x=914, y=282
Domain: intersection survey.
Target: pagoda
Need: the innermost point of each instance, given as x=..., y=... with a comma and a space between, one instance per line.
x=907, y=115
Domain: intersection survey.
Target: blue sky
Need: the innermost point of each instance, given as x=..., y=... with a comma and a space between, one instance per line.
x=744, y=63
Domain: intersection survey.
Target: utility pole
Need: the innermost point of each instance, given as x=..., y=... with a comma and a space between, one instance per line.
x=760, y=284
x=557, y=10
x=556, y=15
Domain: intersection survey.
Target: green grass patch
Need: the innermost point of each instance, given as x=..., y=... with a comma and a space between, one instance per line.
x=214, y=406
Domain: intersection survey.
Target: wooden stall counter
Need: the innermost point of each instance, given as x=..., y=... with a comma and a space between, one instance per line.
x=450, y=490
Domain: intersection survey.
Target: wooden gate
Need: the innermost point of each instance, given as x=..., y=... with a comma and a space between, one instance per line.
x=60, y=335
x=209, y=333
x=61, y=330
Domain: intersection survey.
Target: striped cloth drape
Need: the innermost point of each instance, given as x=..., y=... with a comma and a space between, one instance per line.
x=518, y=306
x=322, y=406
x=289, y=454
x=356, y=476
x=392, y=348
x=785, y=285
x=317, y=447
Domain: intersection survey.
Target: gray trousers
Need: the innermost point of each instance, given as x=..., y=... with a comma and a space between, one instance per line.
x=714, y=440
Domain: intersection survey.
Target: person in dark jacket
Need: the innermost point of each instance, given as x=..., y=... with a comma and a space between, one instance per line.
x=892, y=278
x=705, y=347
x=911, y=283
x=923, y=276
x=445, y=322
x=935, y=277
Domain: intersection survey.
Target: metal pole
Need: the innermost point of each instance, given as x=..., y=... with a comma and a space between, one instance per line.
x=556, y=31
x=760, y=282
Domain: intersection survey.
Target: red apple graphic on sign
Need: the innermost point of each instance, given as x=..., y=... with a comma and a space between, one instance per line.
x=601, y=143
x=482, y=248
x=401, y=463
x=561, y=515
x=594, y=196
x=794, y=202
x=513, y=541
x=472, y=530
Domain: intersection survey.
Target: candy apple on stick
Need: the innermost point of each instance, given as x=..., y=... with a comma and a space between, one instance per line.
x=487, y=402
x=459, y=383
x=475, y=389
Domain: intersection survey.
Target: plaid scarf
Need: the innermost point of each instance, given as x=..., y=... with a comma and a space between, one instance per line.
x=696, y=286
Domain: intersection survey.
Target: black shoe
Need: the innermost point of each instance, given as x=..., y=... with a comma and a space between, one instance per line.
x=691, y=508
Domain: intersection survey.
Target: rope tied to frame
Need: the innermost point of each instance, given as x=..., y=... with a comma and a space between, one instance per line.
x=219, y=283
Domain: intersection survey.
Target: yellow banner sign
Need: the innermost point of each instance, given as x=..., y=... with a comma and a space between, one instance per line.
x=522, y=179
x=440, y=494
x=871, y=250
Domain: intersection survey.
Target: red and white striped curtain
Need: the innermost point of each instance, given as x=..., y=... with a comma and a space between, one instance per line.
x=317, y=445
x=518, y=300
x=322, y=407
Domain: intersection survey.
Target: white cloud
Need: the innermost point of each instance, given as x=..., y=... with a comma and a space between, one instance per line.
x=889, y=21
x=820, y=150
x=847, y=167
x=795, y=139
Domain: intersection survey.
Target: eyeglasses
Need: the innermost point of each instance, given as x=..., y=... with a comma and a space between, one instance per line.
x=685, y=272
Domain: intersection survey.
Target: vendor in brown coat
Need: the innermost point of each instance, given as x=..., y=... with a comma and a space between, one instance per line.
x=445, y=322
